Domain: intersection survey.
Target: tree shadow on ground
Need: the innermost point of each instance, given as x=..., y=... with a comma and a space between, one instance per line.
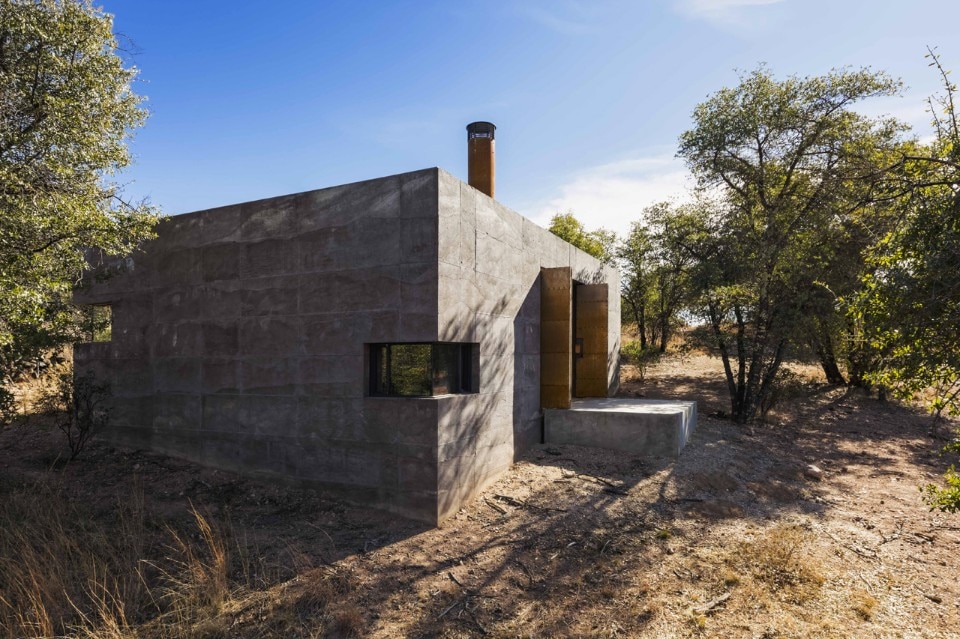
x=565, y=544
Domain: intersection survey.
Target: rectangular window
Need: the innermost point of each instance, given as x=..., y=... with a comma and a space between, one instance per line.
x=97, y=322
x=422, y=369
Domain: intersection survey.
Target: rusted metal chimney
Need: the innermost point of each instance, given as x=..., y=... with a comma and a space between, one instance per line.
x=480, y=156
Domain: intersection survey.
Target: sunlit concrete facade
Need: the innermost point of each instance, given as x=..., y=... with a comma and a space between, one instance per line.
x=241, y=337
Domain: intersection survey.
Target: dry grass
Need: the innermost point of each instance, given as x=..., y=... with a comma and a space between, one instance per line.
x=779, y=560
x=731, y=540
x=864, y=604
x=59, y=568
x=64, y=573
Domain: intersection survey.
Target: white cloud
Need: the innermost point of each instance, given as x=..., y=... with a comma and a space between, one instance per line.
x=613, y=195
x=724, y=13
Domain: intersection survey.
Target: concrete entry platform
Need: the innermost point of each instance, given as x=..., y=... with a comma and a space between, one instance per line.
x=650, y=427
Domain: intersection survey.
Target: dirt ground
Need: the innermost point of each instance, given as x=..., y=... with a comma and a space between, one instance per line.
x=733, y=539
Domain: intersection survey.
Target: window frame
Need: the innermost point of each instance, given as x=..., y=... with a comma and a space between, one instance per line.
x=379, y=365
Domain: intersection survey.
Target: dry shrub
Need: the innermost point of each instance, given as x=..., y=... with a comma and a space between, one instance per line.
x=864, y=604
x=346, y=622
x=59, y=571
x=62, y=574
x=778, y=560
x=199, y=579
x=321, y=588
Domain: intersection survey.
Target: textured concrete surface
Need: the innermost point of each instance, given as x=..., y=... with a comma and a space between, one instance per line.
x=490, y=260
x=651, y=427
x=240, y=333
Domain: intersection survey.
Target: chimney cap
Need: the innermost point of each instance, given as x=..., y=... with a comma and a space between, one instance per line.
x=480, y=130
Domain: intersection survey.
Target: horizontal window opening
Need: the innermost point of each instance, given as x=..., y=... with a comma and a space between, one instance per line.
x=97, y=323
x=423, y=369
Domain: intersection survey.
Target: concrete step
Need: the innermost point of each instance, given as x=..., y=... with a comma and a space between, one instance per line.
x=649, y=427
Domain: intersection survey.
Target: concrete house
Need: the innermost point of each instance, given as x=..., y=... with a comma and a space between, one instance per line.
x=393, y=341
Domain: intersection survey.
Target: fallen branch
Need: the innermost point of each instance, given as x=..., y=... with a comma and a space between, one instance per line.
x=495, y=507
x=708, y=607
x=526, y=571
x=451, y=607
x=464, y=602
x=863, y=552
x=507, y=499
x=516, y=503
x=892, y=536
x=613, y=488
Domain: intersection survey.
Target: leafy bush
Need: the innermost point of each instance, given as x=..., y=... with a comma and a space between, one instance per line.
x=947, y=498
x=640, y=357
x=81, y=406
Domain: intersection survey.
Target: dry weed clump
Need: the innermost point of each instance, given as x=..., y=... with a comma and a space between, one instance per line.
x=319, y=590
x=864, y=604
x=778, y=560
x=59, y=570
x=62, y=574
x=198, y=579
x=347, y=622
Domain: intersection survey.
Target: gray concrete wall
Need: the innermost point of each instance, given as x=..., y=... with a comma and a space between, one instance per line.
x=238, y=339
x=239, y=333
x=489, y=292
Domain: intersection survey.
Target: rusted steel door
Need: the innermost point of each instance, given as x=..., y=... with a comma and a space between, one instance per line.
x=556, y=337
x=590, y=346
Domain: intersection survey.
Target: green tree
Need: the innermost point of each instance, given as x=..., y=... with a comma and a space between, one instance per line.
x=654, y=272
x=782, y=159
x=600, y=243
x=636, y=258
x=67, y=110
x=911, y=302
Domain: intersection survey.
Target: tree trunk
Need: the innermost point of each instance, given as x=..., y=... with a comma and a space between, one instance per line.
x=767, y=381
x=715, y=322
x=664, y=332
x=640, y=319
x=642, y=328
x=826, y=354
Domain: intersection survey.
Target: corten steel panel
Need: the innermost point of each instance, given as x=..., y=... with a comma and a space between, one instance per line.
x=480, y=165
x=591, y=377
x=556, y=337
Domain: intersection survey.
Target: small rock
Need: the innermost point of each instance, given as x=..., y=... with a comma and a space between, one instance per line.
x=813, y=472
x=136, y=466
x=553, y=451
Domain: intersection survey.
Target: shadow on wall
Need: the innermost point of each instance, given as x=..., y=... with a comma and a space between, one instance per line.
x=527, y=417
x=481, y=434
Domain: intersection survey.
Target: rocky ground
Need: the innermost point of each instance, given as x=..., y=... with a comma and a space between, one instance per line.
x=737, y=538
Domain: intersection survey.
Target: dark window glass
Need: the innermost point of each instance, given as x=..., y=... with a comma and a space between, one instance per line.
x=446, y=369
x=409, y=370
x=380, y=373
x=419, y=370
x=98, y=323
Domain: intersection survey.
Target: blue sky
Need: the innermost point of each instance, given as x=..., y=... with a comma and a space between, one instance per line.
x=256, y=99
